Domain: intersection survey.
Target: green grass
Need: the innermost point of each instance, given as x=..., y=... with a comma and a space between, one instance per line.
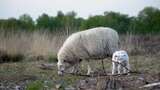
x=36, y=85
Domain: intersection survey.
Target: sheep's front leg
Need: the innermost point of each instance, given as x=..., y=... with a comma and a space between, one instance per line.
x=76, y=68
x=90, y=67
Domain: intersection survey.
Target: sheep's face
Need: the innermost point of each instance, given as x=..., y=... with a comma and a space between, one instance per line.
x=63, y=66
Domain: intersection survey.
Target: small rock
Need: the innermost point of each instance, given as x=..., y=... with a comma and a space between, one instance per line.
x=58, y=86
x=17, y=87
x=70, y=88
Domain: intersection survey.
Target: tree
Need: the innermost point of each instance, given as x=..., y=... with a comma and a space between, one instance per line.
x=43, y=22
x=26, y=22
x=11, y=24
x=117, y=21
x=93, y=21
x=59, y=19
x=69, y=21
x=149, y=20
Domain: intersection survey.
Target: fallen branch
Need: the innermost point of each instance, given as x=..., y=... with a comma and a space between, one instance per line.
x=97, y=75
x=150, y=85
x=47, y=66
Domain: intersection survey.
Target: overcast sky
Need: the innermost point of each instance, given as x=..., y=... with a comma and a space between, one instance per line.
x=84, y=8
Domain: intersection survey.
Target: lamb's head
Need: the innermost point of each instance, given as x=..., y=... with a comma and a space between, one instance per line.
x=64, y=64
x=120, y=56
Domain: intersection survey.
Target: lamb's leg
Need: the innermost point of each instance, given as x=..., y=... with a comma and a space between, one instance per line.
x=114, y=68
x=128, y=68
x=124, y=67
x=120, y=68
x=90, y=67
x=124, y=70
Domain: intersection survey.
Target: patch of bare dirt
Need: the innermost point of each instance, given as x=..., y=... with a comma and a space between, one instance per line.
x=127, y=82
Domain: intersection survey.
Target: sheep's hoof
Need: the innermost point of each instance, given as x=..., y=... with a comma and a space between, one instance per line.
x=90, y=73
x=128, y=74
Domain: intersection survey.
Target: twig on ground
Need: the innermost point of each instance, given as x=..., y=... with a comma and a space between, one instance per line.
x=46, y=66
x=150, y=85
x=85, y=75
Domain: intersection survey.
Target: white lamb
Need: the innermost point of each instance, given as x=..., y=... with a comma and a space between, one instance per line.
x=120, y=62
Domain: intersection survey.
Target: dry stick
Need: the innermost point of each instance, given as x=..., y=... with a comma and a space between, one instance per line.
x=79, y=74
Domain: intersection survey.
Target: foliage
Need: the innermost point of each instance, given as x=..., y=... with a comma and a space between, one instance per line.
x=26, y=22
x=114, y=20
x=147, y=21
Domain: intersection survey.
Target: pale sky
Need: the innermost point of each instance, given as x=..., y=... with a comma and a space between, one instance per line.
x=84, y=8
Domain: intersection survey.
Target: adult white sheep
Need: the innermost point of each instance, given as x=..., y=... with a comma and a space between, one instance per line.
x=120, y=62
x=95, y=43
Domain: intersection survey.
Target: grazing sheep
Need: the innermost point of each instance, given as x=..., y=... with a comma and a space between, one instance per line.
x=95, y=43
x=120, y=61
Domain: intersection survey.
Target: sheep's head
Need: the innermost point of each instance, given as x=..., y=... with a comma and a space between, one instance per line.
x=64, y=65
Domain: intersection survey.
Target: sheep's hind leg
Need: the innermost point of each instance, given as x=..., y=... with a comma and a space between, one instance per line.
x=90, y=67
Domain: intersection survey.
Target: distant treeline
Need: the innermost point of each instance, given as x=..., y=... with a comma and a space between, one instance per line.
x=147, y=21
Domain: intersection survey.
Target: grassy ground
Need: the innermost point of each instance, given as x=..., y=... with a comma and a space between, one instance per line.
x=40, y=48
x=29, y=70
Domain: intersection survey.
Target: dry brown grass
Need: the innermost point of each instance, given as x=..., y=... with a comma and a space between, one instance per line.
x=31, y=44
x=140, y=44
x=45, y=44
x=42, y=43
x=130, y=43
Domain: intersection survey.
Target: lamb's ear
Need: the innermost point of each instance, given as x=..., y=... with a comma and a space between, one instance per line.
x=115, y=56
